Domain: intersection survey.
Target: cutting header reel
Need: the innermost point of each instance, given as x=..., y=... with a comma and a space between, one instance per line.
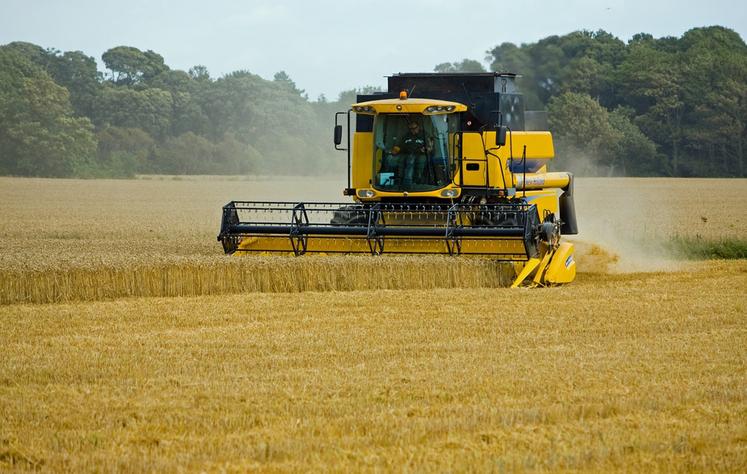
x=510, y=232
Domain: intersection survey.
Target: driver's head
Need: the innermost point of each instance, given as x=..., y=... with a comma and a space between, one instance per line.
x=413, y=127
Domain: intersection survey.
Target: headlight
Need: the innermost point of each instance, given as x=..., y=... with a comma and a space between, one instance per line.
x=450, y=193
x=439, y=108
x=366, y=193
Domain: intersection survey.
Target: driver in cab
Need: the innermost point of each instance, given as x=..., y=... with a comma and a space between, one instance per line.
x=412, y=150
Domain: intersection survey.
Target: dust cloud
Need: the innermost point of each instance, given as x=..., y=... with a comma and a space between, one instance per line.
x=620, y=227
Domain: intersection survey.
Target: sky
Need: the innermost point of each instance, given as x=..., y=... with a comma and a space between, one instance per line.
x=329, y=46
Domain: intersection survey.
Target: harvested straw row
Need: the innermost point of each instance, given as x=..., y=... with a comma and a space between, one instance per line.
x=208, y=276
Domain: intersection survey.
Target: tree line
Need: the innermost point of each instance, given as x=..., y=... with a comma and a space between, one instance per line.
x=60, y=116
x=649, y=107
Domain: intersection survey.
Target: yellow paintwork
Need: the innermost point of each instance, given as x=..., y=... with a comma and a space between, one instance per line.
x=554, y=265
x=541, y=268
x=409, y=245
x=473, y=155
x=539, y=145
x=378, y=194
x=407, y=106
x=562, y=268
x=559, y=179
x=545, y=199
x=524, y=272
x=361, y=160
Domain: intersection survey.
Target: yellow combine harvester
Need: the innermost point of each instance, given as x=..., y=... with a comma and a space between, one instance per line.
x=439, y=164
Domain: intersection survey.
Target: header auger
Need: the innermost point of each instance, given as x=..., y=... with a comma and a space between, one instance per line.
x=452, y=171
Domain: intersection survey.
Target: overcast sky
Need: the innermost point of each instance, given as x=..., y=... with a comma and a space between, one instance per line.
x=327, y=46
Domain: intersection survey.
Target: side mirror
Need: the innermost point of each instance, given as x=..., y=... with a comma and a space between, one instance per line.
x=500, y=135
x=338, y=134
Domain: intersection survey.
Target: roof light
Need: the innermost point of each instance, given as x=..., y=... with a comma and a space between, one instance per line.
x=434, y=109
x=363, y=109
x=402, y=95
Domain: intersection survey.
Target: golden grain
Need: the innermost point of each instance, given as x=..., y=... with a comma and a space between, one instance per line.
x=74, y=240
x=653, y=209
x=641, y=372
x=616, y=372
x=191, y=276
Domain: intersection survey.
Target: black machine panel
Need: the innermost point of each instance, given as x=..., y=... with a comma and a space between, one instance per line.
x=484, y=93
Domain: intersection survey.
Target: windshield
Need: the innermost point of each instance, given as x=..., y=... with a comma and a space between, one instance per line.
x=414, y=152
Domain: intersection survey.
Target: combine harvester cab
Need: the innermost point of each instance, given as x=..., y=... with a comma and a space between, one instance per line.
x=439, y=164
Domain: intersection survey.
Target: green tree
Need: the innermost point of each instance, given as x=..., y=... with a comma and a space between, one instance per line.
x=78, y=74
x=199, y=73
x=284, y=80
x=581, y=61
x=186, y=154
x=591, y=140
x=465, y=65
x=652, y=80
x=715, y=91
x=130, y=66
x=231, y=156
x=31, y=52
x=582, y=131
x=149, y=109
x=192, y=154
x=229, y=106
x=187, y=114
x=125, y=151
x=39, y=134
x=585, y=75
x=73, y=70
x=631, y=153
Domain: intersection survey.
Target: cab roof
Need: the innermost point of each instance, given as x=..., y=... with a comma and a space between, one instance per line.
x=413, y=106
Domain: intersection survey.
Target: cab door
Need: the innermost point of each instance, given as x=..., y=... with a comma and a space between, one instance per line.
x=474, y=162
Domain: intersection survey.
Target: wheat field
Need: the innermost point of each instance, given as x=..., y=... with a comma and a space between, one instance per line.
x=87, y=240
x=359, y=363
x=641, y=372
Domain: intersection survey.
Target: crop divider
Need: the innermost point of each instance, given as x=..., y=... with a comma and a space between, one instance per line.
x=453, y=222
x=298, y=236
x=375, y=222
